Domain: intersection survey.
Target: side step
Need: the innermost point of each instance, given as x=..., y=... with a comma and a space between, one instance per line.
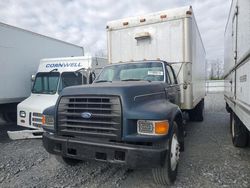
x=25, y=134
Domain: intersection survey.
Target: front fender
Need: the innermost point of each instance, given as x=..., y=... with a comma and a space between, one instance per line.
x=159, y=109
x=49, y=111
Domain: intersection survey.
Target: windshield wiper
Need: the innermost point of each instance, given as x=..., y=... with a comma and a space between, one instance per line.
x=81, y=69
x=54, y=70
x=133, y=79
x=99, y=81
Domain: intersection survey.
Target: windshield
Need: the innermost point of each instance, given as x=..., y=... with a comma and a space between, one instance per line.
x=149, y=71
x=46, y=83
x=71, y=79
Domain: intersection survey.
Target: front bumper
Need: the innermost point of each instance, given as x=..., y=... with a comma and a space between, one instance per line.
x=133, y=156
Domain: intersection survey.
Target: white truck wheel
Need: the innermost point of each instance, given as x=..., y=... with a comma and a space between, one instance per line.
x=239, y=133
x=166, y=174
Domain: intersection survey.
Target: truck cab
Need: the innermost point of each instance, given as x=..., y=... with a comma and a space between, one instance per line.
x=129, y=115
x=52, y=76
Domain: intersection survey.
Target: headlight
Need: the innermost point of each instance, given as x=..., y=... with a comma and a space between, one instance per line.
x=148, y=127
x=48, y=120
x=22, y=114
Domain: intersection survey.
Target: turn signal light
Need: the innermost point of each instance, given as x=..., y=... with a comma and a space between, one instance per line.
x=43, y=120
x=161, y=127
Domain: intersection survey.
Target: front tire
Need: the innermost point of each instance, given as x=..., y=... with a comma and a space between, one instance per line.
x=10, y=117
x=167, y=174
x=67, y=161
x=239, y=133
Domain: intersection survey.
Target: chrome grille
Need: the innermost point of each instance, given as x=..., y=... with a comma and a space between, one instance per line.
x=37, y=119
x=105, y=120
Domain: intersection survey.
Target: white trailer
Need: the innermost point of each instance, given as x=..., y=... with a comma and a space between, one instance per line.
x=20, y=54
x=237, y=70
x=172, y=36
x=52, y=76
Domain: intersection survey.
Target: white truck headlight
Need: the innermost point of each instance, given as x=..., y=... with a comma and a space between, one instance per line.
x=148, y=127
x=22, y=114
x=48, y=120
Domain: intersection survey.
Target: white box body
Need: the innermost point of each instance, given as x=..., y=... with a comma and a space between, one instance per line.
x=237, y=60
x=171, y=36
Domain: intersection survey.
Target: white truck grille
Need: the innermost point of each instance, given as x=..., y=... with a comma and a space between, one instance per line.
x=37, y=119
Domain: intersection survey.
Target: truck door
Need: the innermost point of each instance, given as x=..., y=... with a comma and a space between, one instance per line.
x=173, y=88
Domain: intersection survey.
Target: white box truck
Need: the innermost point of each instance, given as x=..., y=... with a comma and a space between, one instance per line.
x=52, y=76
x=20, y=54
x=172, y=36
x=237, y=70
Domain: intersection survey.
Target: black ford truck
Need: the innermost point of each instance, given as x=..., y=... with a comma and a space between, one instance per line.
x=130, y=115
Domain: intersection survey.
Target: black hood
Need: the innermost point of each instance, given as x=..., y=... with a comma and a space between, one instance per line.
x=120, y=88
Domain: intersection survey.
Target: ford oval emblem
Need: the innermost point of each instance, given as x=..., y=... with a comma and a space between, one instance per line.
x=86, y=115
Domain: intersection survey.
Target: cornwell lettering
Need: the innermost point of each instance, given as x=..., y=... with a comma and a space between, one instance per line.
x=62, y=65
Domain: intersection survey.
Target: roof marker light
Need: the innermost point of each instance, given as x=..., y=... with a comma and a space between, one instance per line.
x=163, y=16
x=189, y=12
x=125, y=23
x=142, y=20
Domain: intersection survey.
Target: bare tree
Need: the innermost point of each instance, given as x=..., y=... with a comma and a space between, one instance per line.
x=215, y=69
x=101, y=53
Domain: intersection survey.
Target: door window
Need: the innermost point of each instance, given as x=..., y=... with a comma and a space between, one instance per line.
x=71, y=79
x=171, y=75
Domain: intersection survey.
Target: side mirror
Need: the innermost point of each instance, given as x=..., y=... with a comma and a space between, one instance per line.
x=33, y=77
x=92, y=77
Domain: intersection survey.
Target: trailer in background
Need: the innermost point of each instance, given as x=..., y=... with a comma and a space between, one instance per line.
x=237, y=70
x=20, y=54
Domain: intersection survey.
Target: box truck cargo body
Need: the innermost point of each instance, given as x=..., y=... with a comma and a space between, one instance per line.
x=20, y=54
x=237, y=70
x=53, y=75
x=172, y=36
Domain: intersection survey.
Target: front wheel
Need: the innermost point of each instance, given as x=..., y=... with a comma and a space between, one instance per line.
x=167, y=173
x=10, y=117
x=239, y=132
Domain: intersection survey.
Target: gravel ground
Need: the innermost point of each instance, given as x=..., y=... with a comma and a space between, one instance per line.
x=209, y=160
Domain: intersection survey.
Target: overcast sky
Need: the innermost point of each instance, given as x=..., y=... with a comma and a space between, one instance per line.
x=83, y=22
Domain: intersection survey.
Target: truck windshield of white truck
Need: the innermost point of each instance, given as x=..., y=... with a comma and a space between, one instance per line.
x=51, y=82
x=148, y=71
